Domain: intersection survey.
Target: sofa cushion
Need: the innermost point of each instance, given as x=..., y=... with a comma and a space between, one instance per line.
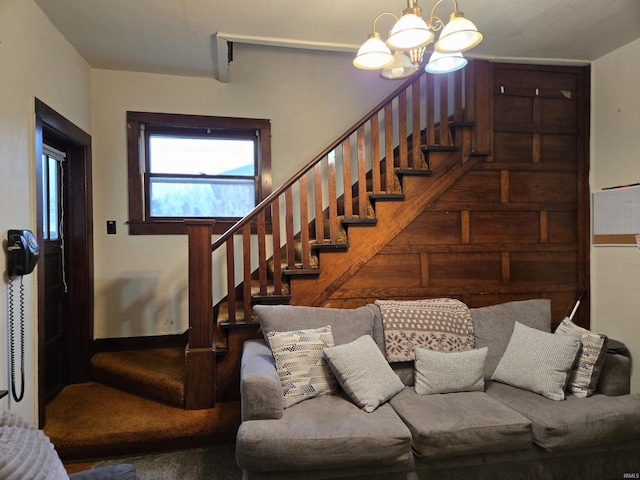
x=301, y=365
x=447, y=372
x=537, y=361
x=576, y=422
x=493, y=326
x=455, y=424
x=363, y=372
x=326, y=432
x=586, y=370
x=346, y=324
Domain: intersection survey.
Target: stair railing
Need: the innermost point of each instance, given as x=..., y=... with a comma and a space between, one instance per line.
x=305, y=209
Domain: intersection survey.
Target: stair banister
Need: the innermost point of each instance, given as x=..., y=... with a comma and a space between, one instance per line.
x=280, y=190
x=269, y=209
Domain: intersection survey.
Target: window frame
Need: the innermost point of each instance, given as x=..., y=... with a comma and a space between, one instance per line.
x=140, y=222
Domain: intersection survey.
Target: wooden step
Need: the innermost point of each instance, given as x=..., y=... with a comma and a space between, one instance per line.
x=158, y=374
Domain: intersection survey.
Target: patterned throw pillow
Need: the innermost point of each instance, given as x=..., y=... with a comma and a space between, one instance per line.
x=537, y=361
x=301, y=364
x=588, y=365
x=442, y=324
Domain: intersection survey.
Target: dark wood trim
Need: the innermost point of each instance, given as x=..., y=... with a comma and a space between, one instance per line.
x=50, y=125
x=140, y=343
x=138, y=222
x=584, y=194
x=200, y=358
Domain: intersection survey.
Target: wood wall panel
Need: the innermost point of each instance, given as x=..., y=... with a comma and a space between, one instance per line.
x=505, y=227
x=537, y=267
x=518, y=110
x=431, y=228
x=558, y=149
x=563, y=227
x=558, y=113
x=376, y=273
x=524, y=77
x=514, y=227
x=513, y=147
x=476, y=186
x=542, y=187
x=465, y=269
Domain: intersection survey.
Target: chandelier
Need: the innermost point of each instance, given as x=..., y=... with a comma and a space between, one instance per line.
x=400, y=55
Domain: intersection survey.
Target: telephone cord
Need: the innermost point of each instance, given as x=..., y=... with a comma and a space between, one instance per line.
x=16, y=397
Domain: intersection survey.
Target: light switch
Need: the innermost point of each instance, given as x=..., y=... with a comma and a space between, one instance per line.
x=111, y=227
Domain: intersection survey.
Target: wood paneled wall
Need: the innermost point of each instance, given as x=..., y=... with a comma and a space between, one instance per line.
x=514, y=227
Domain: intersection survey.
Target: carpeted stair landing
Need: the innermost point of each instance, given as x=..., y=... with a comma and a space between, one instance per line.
x=91, y=421
x=157, y=374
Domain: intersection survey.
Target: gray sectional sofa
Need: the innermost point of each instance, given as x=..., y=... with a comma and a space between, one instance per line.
x=492, y=431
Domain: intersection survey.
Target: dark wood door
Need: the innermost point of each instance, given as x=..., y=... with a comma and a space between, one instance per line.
x=56, y=343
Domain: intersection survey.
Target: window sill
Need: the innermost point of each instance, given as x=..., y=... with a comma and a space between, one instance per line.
x=178, y=227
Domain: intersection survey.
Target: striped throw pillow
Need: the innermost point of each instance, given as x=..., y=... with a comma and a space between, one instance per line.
x=588, y=365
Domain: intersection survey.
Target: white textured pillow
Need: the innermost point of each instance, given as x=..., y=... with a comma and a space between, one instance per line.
x=364, y=373
x=537, y=361
x=301, y=364
x=588, y=365
x=447, y=372
x=26, y=452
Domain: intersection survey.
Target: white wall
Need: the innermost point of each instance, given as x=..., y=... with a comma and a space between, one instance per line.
x=615, y=160
x=35, y=61
x=310, y=97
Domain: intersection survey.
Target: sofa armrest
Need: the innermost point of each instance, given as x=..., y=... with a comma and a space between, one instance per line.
x=615, y=378
x=260, y=386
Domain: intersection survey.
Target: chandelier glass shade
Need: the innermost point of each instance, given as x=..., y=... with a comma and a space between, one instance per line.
x=373, y=54
x=458, y=35
x=445, y=62
x=408, y=38
x=402, y=67
x=409, y=32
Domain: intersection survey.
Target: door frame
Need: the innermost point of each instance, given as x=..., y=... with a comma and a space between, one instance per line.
x=78, y=243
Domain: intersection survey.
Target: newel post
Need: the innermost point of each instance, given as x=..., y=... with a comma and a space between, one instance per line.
x=200, y=354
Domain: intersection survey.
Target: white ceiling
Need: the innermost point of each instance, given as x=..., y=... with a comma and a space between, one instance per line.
x=175, y=36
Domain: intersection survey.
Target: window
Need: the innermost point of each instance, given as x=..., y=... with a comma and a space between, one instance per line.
x=52, y=161
x=189, y=166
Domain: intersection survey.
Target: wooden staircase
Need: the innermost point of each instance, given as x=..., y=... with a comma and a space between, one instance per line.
x=309, y=236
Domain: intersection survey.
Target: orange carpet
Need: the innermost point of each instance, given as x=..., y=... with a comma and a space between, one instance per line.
x=91, y=421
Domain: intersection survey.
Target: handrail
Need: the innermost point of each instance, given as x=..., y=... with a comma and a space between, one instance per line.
x=280, y=190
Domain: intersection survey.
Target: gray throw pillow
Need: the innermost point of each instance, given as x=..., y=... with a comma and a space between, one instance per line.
x=588, y=365
x=346, y=324
x=301, y=364
x=447, y=372
x=493, y=326
x=364, y=373
x=537, y=361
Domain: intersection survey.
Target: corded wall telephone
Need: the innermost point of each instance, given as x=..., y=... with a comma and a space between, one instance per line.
x=23, y=250
x=22, y=257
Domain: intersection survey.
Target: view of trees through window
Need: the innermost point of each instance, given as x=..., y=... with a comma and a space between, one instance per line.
x=189, y=167
x=201, y=177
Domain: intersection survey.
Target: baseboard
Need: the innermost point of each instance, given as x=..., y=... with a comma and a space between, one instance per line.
x=139, y=343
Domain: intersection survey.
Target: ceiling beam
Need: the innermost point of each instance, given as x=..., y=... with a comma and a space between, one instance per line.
x=220, y=49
